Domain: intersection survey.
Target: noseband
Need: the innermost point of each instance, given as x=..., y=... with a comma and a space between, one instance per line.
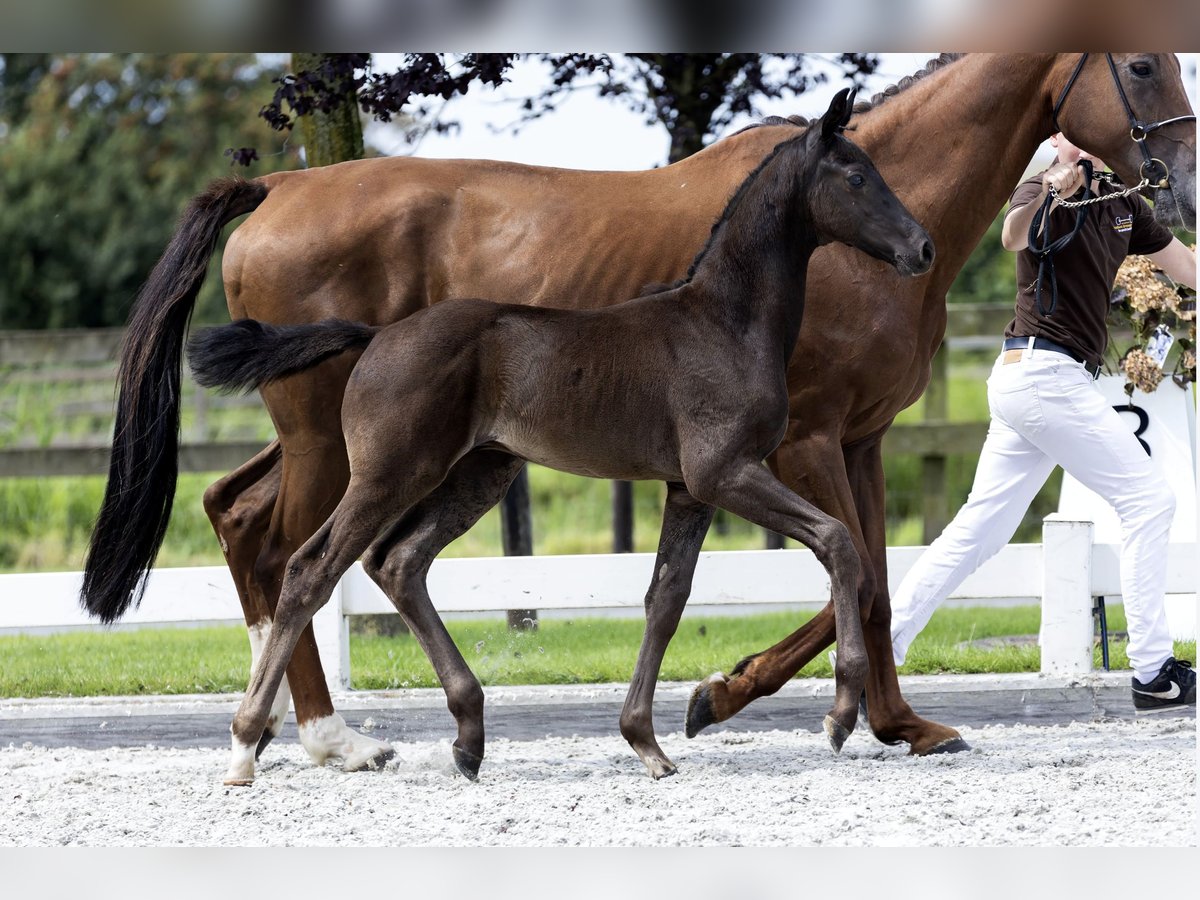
x=1137, y=130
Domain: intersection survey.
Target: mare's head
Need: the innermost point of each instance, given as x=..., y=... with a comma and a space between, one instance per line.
x=1094, y=98
x=850, y=202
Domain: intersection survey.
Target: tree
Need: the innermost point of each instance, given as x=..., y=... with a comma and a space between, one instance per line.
x=98, y=156
x=692, y=95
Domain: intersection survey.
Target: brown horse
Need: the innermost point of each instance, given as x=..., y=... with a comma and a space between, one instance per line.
x=376, y=240
x=687, y=386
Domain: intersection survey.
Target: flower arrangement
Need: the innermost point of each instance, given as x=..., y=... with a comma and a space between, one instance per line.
x=1146, y=300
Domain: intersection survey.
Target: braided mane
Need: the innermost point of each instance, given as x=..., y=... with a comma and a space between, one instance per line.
x=908, y=81
x=891, y=90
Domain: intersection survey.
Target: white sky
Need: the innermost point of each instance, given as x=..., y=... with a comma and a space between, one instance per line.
x=587, y=132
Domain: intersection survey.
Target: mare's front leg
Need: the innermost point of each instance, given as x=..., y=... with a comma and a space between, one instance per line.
x=685, y=522
x=892, y=719
x=747, y=489
x=399, y=563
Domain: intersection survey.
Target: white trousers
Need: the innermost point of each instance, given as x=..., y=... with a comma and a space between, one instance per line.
x=1046, y=411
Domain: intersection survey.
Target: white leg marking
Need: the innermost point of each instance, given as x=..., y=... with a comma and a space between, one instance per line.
x=241, y=763
x=279, y=706
x=330, y=738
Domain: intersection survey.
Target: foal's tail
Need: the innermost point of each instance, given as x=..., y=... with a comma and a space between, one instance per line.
x=247, y=354
x=143, y=466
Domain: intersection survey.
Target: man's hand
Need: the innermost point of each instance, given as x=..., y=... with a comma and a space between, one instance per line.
x=1065, y=178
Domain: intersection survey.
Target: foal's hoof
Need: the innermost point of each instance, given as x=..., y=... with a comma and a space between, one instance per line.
x=467, y=762
x=700, y=712
x=238, y=782
x=837, y=733
x=952, y=745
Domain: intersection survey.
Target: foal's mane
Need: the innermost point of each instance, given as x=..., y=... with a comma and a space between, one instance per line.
x=726, y=214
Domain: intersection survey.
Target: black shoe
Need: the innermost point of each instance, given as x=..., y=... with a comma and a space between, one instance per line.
x=1175, y=687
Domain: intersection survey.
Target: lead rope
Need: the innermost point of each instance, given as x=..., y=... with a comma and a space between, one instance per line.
x=1044, y=248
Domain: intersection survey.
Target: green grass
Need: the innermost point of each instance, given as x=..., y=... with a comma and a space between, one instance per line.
x=209, y=660
x=45, y=522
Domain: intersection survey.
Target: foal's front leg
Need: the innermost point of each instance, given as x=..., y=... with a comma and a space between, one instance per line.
x=749, y=490
x=685, y=522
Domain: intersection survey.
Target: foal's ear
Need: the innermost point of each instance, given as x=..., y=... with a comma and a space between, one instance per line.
x=838, y=114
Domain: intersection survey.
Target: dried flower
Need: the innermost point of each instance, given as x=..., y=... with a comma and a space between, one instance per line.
x=1141, y=371
x=1145, y=297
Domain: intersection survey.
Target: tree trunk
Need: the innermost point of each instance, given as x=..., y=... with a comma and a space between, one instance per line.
x=334, y=136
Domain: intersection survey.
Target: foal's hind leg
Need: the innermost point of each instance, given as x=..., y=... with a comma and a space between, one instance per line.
x=685, y=522
x=750, y=491
x=311, y=575
x=399, y=563
x=313, y=477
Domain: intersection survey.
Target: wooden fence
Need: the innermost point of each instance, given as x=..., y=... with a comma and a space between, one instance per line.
x=934, y=439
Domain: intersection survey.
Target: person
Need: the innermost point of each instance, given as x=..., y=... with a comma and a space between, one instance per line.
x=1046, y=411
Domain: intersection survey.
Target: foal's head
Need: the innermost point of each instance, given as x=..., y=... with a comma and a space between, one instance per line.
x=850, y=202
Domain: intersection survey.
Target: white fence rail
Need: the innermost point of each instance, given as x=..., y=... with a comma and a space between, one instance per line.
x=1063, y=573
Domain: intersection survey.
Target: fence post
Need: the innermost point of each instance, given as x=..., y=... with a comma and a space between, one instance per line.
x=331, y=629
x=1066, y=635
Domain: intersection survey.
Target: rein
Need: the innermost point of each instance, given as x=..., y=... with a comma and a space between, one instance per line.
x=1138, y=132
x=1046, y=249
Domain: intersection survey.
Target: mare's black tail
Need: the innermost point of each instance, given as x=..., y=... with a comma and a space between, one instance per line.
x=143, y=465
x=247, y=354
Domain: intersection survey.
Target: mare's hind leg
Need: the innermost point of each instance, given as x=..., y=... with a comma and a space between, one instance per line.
x=685, y=522
x=239, y=506
x=399, y=563
x=747, y=489
x=313, y=478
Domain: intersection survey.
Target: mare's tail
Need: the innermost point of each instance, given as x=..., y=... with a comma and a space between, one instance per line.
x=247, y=354
x=143, y=466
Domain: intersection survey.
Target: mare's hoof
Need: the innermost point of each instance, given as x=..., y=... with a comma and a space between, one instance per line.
x=372, y=763
x=238, y=782
x=266, y=738
x=467, y=763
x=953, y=745
x=700, y=713
x=837, y=733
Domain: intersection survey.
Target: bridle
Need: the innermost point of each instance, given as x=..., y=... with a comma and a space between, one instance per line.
x=1137, y=130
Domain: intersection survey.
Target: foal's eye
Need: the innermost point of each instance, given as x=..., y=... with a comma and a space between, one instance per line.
x=856, y=180
x=1141, y=69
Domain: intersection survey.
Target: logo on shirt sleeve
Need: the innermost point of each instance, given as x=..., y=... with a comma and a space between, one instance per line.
x=1123, y=224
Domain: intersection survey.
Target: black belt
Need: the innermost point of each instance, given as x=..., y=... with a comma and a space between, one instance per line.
x=1040, y=343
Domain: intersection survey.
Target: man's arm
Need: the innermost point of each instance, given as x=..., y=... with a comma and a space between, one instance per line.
x=1065, y=178
x=1178, y=261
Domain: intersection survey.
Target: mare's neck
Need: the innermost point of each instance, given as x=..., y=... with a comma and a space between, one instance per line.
x=954, y=146
x=751, y=279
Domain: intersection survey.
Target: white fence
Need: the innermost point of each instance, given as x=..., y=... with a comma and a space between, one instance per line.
x=1063, y=573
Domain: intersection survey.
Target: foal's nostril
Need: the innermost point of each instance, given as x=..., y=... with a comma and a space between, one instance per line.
x=927, y=253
